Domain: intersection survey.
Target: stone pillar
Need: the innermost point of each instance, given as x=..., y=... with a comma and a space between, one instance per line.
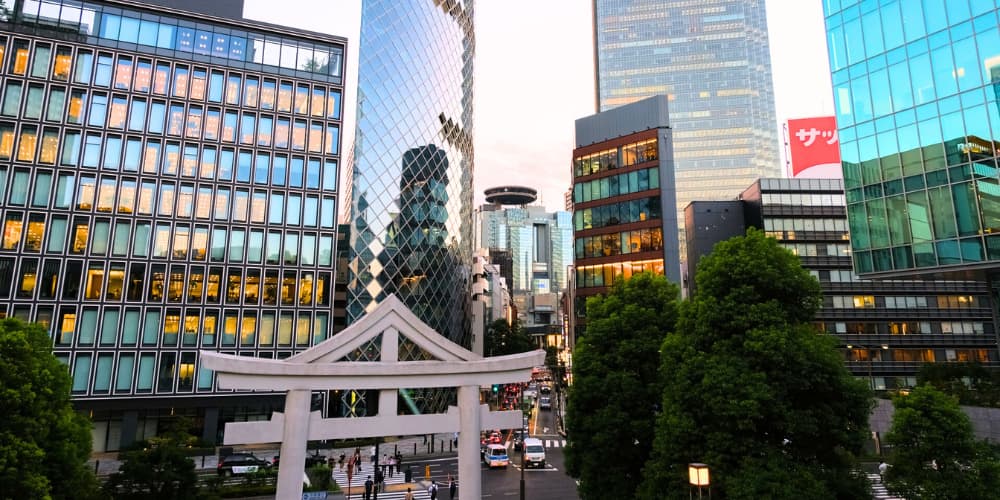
x=469, y=425
x=293, y=444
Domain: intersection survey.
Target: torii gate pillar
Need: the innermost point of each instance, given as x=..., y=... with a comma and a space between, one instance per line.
x=295, y=431
x=468, y=440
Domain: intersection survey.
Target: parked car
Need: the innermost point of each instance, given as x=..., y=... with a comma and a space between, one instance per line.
x=545, y=403
x=311, y=460
x=496, y=456
x=241, y=463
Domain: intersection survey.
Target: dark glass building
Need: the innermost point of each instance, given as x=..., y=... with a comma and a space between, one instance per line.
x=623, y=199
x=712, y=59
x=168, y=183
x=887, y=328
x=411, y=179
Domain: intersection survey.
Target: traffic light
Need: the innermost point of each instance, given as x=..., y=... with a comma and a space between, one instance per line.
x=496, y=388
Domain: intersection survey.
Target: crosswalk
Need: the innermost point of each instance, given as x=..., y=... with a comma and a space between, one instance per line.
x=398, y=478
x=549, y=443
x=878, y=489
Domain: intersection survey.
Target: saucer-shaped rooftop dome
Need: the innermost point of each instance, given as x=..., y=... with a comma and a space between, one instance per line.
x=511, y=195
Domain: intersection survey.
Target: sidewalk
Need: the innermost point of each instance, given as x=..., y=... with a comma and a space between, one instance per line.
x=412, y=447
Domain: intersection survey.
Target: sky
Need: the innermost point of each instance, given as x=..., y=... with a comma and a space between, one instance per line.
x=534, y=76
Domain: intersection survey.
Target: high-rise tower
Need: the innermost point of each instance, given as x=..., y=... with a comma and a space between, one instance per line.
x=411, y=207
x=712, y=59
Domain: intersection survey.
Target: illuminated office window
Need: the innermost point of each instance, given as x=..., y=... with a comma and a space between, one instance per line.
x=229, y=124
x=189, y=163
x=35, y=233
x=161, y=78
x=181, y=76
x=199, y=83
x=18, y=64
x=194, y=120
x=77, y=103
x=106, y=195
x=195, y=286
x=166, y=206
x=214, y=285
x=199, y=243
x=212, y=123
x=233, y=89
x=171, y=158
x=285, y=97
x=147, y=194
x=241, y=205
x=143, y=75
x=301, y=99
x=123, y=73
x=222, y=204
x=50, y=146
x=86, y=192
x=63, y=64
x=251, y=92
x=12, y=227
x=27, y=144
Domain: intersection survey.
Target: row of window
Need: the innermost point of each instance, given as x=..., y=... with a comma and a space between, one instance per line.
x=54, y=279
x=940, y=253
x=161, y=77
x=804, y=199
x=621, y=243
x=907, y=328
x=920, y=355
x=48, y=145
x=171, y=33
x=610, y=159
x=172, y=118
x=615, y=185
x=909, y=302
x=100, y=237
x=605, y=274
x=776, y=224
x=936, y=164
x=108, y=194
x=617, y=213
x=819, y=249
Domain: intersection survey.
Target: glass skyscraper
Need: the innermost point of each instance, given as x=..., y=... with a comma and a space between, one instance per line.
x=712, y=59
x=916, y=91
x=411, y=212
x=167, y=184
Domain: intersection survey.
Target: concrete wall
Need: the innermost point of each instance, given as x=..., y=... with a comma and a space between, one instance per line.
x=985, y=421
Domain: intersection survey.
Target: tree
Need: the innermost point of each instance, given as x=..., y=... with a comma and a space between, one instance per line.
x=752, y=389
x=159, y=470
x=934, y=453
x=44, y=442
x=972, y=383
x=611, y=411
x=502, y=339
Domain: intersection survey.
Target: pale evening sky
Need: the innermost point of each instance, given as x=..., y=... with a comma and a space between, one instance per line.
x=534, y=75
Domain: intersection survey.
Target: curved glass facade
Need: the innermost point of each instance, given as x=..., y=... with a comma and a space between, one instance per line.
x=916, y=91
x=411, y=184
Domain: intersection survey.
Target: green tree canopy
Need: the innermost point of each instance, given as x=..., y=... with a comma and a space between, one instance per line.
x=44, y=442
x=934, y=452
x=611, y=410
x=160, y=470
x=503, y=339
x=972, y=383
x=752, y=389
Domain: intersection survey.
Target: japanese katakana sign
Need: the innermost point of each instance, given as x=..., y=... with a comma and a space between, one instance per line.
x=813, y=142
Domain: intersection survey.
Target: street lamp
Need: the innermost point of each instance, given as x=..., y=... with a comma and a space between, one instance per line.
x=698, y=476
x=869, y=354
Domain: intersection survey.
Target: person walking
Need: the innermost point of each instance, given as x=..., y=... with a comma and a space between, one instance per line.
x=368, y=488
x=379, y=480
x=433, y=490
x=882, y=469
x=409, y=494
x=452, y=489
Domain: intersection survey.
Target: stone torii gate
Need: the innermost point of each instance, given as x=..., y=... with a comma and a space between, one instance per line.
x=386, y=350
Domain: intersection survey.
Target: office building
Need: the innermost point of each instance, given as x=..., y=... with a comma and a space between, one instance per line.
x=624, y=220
x=886, y=328
x=411, y=180
x=539, y=247
x=712, y=59
x=168, y=184
x=915, y=92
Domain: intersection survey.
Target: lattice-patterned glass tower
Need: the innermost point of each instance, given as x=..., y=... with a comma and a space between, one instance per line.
x=411, y=216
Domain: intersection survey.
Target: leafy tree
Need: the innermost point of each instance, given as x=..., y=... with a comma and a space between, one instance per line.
x=611, y=410
x=44, y=442
x=502, y=339
x=934, y=454
x=160, y=470
x=752, y=389
x=972, y=383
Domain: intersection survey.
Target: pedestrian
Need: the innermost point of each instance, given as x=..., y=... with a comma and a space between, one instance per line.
x=433, y=490
x=882, y=468
x=341, y=461
x=374, y=455
x=379, y=480
x=409, y=494
x=392, y=465
x=368, y=488
x=357, y=462
x=452, y=489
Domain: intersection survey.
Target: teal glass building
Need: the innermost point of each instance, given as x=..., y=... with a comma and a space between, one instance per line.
x=916, y=86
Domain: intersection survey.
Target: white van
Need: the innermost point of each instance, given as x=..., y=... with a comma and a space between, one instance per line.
x=534, y=453
x=496, y=456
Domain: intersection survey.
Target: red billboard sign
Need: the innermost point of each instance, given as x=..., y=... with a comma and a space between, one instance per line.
x=813, y=142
